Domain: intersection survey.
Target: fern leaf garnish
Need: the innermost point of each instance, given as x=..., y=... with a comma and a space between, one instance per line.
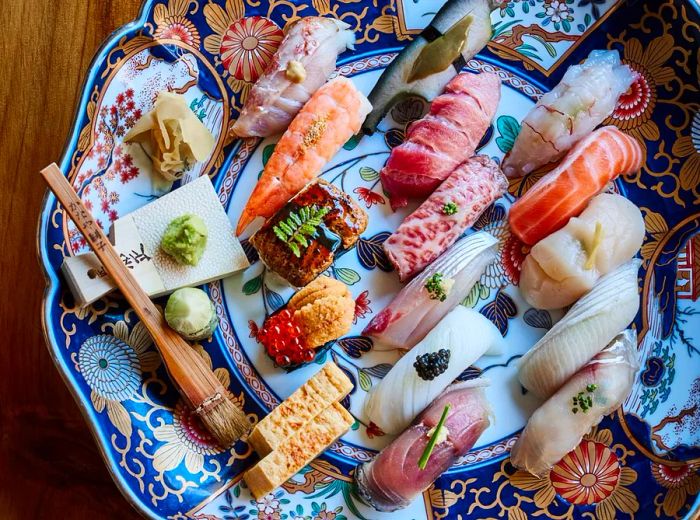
x=298, y=226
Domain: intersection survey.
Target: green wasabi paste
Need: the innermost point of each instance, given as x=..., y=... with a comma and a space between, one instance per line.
x=185, y=239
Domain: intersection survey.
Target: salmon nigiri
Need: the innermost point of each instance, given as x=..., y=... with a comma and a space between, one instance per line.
x=565, y=191
x=332, y=115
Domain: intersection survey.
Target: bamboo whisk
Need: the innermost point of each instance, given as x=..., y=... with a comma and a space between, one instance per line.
x=195, y=381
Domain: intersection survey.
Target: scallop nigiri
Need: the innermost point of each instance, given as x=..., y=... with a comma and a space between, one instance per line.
x=416, y=310
x=565, y=191
x=593, y=392
x=304, y=61
x=565, y=265
x=424, y=372
x=584, y=97
x=584, y=331
x=332, y=115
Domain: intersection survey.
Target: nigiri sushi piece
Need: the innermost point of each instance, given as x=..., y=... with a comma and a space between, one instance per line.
x=592, y=393
x=459, y=30
x=437, y=223
x=428, y=297
x=394, y=478
x=304, y=61
x=590, y=324
x=443, y=139
x=332, y=115
x=424, y=372
x=565, y=265
x=584, y=97
x=565, y=191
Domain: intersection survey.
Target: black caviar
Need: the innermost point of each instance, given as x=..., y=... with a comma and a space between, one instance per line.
x=429, y=366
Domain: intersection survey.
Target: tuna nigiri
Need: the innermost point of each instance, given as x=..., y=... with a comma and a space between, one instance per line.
x=584, y=331
x=593, y=392
x=443, y=139
x=565, y=191
x=440, y=220
x=423, y=373
x=585, y=96
x=304, y=61
x=416, y=310
x=564, y=266
x=394, y=478
x=332, y=115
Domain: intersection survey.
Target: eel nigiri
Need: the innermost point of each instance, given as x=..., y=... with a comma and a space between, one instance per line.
x=416, y=310
x=332, y=115
x=424, y=372
x=593, y=392
x=565, y=265
x=584, y=331
x=584, y=97
x=443, y=139
x=304, y=61
x=459, y=30
x=394, y=478
x=440, y=220
x=565, y=191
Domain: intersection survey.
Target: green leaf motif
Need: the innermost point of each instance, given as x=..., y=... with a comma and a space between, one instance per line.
x=298, y=226
x=352, y=142
x=253, y=285
x=368, y=174
x=347, y=276
x=478, y=292
x=508, y=128
x=365, y=381
x=267, y=152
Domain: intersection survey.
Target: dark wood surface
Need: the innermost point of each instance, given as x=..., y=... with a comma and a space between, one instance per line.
x=50, y=466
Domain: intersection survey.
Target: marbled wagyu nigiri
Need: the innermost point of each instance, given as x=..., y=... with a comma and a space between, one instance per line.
x=585, y=96
x=584, y=331
x=304, y=61
x=592, y=393
x=565, y=265
x=464, y=335
x=428, y=297
x=393, y=478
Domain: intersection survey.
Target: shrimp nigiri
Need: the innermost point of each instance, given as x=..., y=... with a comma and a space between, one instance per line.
x=585, y=96
x=332, y=115
x=565, y=191
x=564, y=266
x=304, y=61
x=593, y=392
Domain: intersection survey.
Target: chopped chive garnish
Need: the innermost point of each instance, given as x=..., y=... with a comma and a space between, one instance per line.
x=582, y=401
x=449, y=208
x=435, y=287
x=423, y=461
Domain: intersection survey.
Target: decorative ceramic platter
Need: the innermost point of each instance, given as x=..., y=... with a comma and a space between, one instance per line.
x=643, y=462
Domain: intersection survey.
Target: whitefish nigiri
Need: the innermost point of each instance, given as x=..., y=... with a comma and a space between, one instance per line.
x=590, y=324
x=416, y=309
x=584, y=97
x=565, y=265
x=424, y=372
x=394, y=478
x=304, y=61
x=592, y=393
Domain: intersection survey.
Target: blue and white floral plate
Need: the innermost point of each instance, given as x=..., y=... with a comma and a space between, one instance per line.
x=642, y=462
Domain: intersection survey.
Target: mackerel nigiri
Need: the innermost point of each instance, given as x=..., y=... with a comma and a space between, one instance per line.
x=585, y=96
x=565, y=265
x=584, y=331
x=593, y=392
x=416, y=310
x=424, y=372
x=304, y=61
x=566, y=190
x=332, y=115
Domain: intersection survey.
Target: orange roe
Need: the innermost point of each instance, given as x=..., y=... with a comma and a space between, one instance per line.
x=284, y=341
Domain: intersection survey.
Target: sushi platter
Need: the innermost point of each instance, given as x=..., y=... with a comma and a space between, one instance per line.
x=386, y=259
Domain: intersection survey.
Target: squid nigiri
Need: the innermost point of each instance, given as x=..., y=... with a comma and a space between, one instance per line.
x=565, y=265
x=394, y=477
x=584, y=331
x=332, y=115
x=416, y=310
x=423, y=373
x=585, y=96
x=304, y=61
x=593, y=392
x=565, y=191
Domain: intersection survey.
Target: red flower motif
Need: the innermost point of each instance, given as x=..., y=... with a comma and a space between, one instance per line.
x=253, y=327
x=374, y=431
x=112, y=215
x=512, y=257
x=248, y=46
x=635, y=101
x=368, y=196
x=362, y=306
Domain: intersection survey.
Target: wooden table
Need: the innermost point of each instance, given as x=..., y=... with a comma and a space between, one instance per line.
x=49, y=464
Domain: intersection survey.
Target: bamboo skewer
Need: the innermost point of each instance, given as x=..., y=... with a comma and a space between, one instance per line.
x=194, y=380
